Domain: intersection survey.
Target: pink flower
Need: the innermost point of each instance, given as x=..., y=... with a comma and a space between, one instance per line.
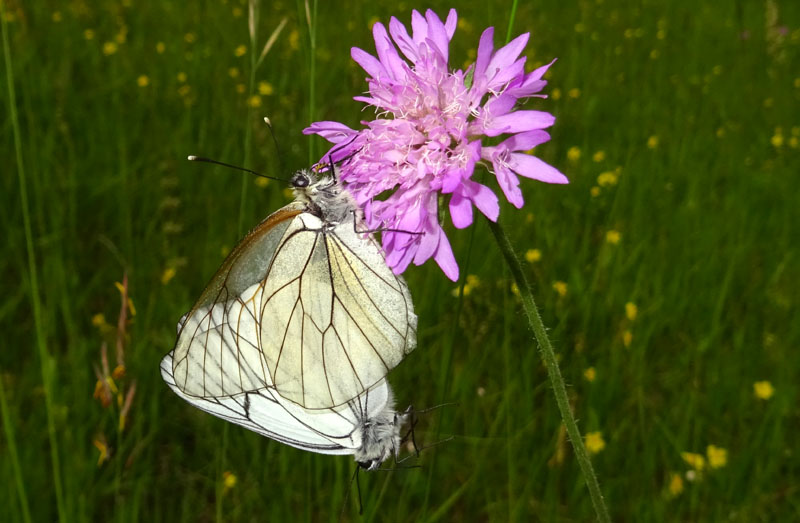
x=428, y=136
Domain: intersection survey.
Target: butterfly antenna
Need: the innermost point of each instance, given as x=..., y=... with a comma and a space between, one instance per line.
x=193, y=158
x=275, y=142
x=426, y=447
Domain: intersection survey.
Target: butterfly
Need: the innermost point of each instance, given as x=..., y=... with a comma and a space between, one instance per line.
x=304, y=306
x=366, y=427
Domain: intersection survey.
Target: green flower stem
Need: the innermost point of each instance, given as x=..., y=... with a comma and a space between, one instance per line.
x=554, y=373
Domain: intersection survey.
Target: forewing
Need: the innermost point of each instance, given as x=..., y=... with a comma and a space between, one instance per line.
x=339, y=317
x=218, y=351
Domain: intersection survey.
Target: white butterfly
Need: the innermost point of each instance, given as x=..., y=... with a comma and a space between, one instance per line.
x=304, y=305
x=367, y=427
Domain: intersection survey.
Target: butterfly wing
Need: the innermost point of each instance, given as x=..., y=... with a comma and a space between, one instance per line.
x=349, y=320
x=218, y=352
x=325, y=431
x=300, y=305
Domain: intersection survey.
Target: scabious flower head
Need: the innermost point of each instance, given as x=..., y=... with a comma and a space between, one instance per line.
x=429, y=135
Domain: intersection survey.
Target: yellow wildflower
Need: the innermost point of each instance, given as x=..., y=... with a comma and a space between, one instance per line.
x=237, y=12
x=661, y=34
x=533, y=255
x=160, y=47
x=580, y=27
x=627, y=338
x=793, y=142
x=717, y=457
x=261, y=182
x=769, y=102
x=228, y=480
x=652, y=142
x=631, y=310
x=696, y=461
x=143, y=80
x=515, y=289
x=574, y=154
x=560, y=287
x=265, y=88
x=240, y=50
x=654, y=54
x=99, y=320
x=763, y=390
x=613, y=237
x=57, y=16
x=574, y=92
x=254, y=101
x=594, y=442
x=181, y=77
x=189, y=38
x=109, y=48
x=594, y=191
x=675, y=484
x=599, y=156
x=556, y=94
x=167, y=275
x=184, y=90
x=294, y=39
x=233, y=72
x=88, y=34
x=590, y=374
x=607, y=178
x=777, y=138
x=241, y=88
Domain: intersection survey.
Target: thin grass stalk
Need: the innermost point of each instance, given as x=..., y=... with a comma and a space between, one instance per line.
x=554, y=373
x=13, y=455
x=44, y=356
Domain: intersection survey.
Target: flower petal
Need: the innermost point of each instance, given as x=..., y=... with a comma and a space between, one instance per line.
x=460, y=210
x=369, y=63
x=444, y=257
x=519, y=121
x=485, y=48
x=526, y=140
x=334, y=132
x=509, y=183
x=419, y=27
x=387, y=53
x=484, y=199
x=437, y=34
x=404, y=41
x=532, y=167
x=507, y=55
x=451, y=23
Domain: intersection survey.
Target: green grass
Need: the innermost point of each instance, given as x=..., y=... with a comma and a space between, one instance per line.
x=709, y=252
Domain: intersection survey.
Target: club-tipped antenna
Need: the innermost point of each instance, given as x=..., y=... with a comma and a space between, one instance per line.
x=193, y=158
x=275, y=142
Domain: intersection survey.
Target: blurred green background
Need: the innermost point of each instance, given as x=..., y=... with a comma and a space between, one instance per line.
x=667, y=270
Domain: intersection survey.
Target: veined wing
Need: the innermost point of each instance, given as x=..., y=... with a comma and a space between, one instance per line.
x=218, y=351
x=327, y=431
x=334, y=318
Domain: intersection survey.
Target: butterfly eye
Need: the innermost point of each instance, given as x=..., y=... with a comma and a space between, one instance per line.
x=300, y=180
x=366, y=465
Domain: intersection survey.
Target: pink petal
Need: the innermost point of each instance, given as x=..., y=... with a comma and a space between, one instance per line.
x=403, y=40
x=484, y=53
x=334, y=132
x=451, y=23
x=532, y=167
x=506, y=74
x=437, y=34
x=519, y=121
x=460, y=210
x=508, y=54
x=387, y=53
x=526, y=140
x=419, y=27
x=484, y=199
x=444, y=257
x=509, y=183
x=369, y=63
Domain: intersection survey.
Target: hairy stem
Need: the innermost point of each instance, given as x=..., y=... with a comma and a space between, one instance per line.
x=553, y=371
